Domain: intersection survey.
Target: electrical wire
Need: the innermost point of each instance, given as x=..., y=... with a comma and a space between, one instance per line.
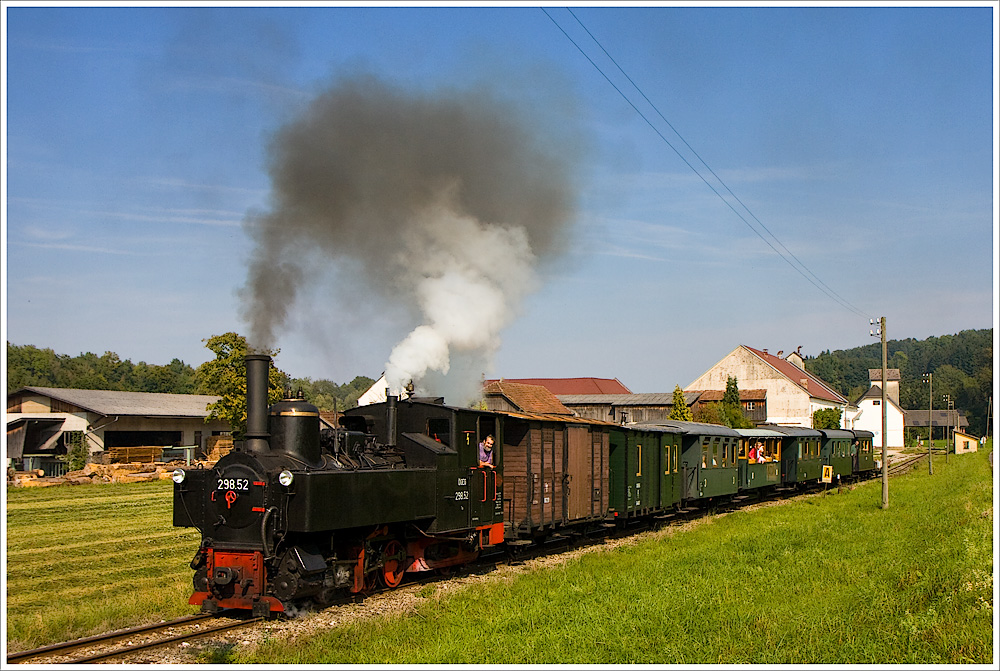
x=801, y=268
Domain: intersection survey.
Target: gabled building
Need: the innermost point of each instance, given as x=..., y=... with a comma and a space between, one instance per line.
x=792, y=393
x=43, y=421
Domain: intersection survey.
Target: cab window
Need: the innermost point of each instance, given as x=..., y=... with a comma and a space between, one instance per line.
x=439, y=428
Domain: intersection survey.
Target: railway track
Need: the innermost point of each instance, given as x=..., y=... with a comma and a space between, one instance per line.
x=906, y=464
x=129, y=641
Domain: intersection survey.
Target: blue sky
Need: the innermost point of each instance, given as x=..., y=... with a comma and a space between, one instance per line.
x=863, y=138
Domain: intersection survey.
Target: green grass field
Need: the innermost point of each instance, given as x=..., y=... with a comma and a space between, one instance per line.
x=825, y=579
x=87, y=559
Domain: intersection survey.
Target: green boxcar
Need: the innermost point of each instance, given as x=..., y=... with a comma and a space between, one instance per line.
x=801, y=460
x=759, y=458
x=863, y=452
x=836, y=451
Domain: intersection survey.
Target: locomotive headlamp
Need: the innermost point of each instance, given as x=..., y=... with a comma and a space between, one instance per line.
x=285, y=478
x=178, y=475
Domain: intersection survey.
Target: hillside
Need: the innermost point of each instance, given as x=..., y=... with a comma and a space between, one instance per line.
x=962, y=365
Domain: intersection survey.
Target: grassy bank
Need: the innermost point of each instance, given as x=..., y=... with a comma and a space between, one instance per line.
x=87, y=559
x=826, y=579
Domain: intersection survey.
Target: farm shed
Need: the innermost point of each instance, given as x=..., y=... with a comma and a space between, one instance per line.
x=624, y=408
x=42, y=422
x=793, y=394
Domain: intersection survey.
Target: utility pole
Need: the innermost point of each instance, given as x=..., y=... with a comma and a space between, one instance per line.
x=929, y=379
x=950, y=431
x=885, y=416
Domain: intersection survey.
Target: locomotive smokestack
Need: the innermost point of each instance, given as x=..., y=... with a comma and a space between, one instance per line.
x=258, y=366
x=390, y=419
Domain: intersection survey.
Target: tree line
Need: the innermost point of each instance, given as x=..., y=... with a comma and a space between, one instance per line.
x=31, y=366
x=962, y=365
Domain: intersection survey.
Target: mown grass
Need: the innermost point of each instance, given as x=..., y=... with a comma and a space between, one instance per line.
x=828, y=579
x=88, y=559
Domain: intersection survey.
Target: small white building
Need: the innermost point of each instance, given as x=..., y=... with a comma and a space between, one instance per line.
x=965, y=443
x=868, y=417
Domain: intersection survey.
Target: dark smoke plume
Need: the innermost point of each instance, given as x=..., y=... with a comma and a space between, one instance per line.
x=444, y=200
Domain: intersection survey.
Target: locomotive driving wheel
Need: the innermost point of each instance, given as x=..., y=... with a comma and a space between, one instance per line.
x=393, y=563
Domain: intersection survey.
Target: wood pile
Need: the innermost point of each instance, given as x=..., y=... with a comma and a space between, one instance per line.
x=146, y=453
x=96, y=474
x=218, y=447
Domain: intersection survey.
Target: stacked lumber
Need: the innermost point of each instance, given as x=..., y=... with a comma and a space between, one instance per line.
x=218, y=447
x=146, y=453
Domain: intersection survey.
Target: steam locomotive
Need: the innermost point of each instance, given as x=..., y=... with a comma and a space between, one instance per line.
x=296, y=512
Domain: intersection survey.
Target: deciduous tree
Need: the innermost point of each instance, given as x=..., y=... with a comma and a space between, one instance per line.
x=226, y=376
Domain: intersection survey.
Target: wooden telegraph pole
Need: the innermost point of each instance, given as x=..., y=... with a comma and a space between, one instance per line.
x=929, y=379
x=885, y=416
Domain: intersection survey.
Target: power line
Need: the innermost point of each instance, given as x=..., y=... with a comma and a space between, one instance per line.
x=801, y=268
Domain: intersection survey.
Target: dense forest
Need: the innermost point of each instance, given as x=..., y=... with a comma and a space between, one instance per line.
x=962, y=365
x=30, y=366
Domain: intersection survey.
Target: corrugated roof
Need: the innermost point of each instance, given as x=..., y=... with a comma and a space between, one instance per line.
x=573, y=385
x=940, y=418
x=136, y=403
x=625, y=399
x=531, y=398
x=813, y=385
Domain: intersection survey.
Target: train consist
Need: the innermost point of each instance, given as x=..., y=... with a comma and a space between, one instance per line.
x=402, y=487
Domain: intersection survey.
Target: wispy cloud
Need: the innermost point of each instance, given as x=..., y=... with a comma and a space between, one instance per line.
x=71, y=47
x=89, y=249
x=236, y=85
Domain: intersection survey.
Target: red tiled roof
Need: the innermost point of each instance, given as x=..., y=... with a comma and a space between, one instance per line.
x=816, y=387
x=574, y=385
x=530, y=398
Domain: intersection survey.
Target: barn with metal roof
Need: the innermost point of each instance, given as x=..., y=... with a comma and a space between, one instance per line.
x=43, y=421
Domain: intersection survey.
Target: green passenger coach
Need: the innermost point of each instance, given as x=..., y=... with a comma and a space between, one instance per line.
x=708, y=467
x=759, y=458
x=836, y=452
x=801, y=458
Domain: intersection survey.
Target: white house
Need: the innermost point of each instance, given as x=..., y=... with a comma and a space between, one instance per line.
x=868, y=417
x=792, y=393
